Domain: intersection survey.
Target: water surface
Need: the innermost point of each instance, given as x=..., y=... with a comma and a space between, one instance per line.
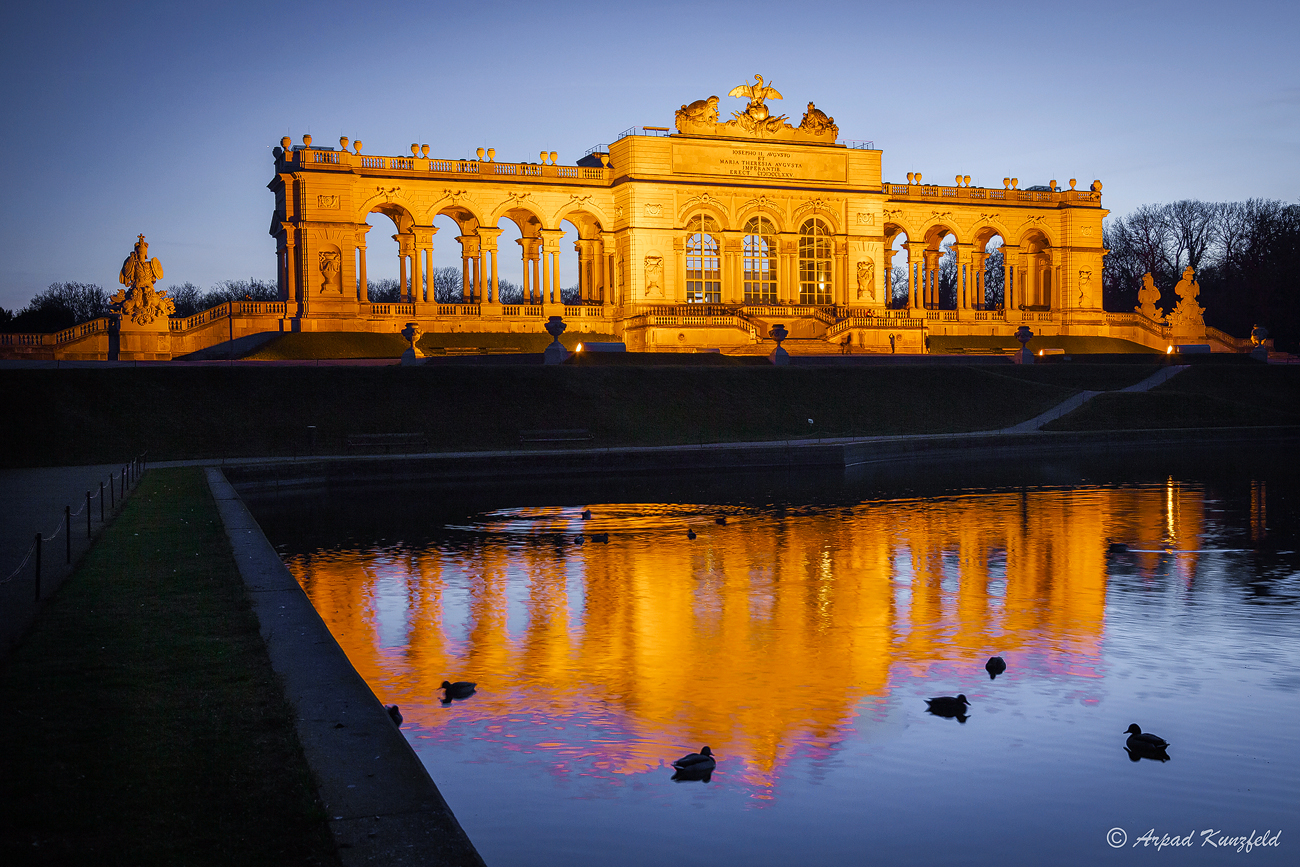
x=800, y=639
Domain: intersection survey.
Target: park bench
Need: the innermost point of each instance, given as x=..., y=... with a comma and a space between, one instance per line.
x=387, y=441
x=556, y=435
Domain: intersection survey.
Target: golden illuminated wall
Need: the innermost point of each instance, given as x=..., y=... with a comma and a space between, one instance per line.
x=638, y=205
x=765, y=635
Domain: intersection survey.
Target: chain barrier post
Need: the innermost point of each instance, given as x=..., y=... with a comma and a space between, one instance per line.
x=87, y=514
x=67, y=530
x=112, y=495
x=38, y=567
x=101, y=502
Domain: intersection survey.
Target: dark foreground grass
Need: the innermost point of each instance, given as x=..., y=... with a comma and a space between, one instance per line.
x=90, y=415
x=142, y=723
x=1202, y=397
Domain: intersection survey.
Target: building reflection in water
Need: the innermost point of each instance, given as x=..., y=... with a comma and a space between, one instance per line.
x=768, y=638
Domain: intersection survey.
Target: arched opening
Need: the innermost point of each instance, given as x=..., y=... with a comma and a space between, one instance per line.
x=815, y=265
x=990, y=271
x=587, y=273
x=897, y=263
x=447, y=275
x=938, y=275
x=760, y=261
x=380, y=263
x=1039, y=273
x=703, y=261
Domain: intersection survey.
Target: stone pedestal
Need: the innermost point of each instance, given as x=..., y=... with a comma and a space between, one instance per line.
x=136, y=342
x=412, y=355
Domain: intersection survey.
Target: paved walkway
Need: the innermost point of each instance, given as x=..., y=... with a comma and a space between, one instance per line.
x=32, y=501
x=1069, y=405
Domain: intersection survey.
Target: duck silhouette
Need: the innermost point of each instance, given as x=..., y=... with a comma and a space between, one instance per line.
x=948, y=706
x=578, y=540
x=458, y=690
x=690, y=534
x=1144, y=745
x=600, y=537
x=586, y=514
x=995, y=666
x=700, y=762
x=394, y=714
x=722, y=521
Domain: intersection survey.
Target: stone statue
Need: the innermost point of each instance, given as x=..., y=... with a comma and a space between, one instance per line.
x=757, y=93
x=1085, y=281
x=654, y=275
x=138, y=301
x=816, y=122
x=702, y=111
x=1148, y=297
x=1188, y=316
x=866, y=279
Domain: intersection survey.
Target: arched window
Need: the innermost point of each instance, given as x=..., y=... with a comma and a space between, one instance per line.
x=703, y=266
x=760, y=261
x=814, y=263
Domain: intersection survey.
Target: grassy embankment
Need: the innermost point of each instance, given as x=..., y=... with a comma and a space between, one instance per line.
x=1204, y=396
x=82, y=415
x=142, y=722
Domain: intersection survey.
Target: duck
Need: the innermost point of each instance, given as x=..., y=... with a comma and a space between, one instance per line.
x=690, y=534
x=995, y=666
x=459, y=689
x=946, y=705
x=578, y=539
x=697, y=763
x=722, y=521
x=1139, y=741
x=395, y=714
x=586, y=514
x=600, y=537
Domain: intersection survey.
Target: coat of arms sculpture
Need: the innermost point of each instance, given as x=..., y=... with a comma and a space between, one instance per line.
x=138, y=301
x=756, y=121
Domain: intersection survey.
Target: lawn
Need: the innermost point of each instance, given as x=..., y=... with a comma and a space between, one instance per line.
x=142, y=721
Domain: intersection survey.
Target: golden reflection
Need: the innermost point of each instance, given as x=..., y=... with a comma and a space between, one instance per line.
x=766, y=638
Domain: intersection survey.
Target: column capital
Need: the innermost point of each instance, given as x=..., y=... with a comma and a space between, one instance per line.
x=551, y=239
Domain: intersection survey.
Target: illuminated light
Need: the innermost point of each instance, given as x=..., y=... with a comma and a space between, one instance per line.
x=1169, y=351
x=578, y=348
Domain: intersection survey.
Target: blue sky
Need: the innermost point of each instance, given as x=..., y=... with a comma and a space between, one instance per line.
x=160, y=118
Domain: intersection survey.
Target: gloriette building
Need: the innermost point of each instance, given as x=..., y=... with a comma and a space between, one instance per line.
x=700, y=236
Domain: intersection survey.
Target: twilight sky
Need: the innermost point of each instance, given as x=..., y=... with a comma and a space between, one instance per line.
x=160, y=118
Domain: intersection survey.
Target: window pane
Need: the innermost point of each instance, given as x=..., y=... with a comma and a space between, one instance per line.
x=815, y=283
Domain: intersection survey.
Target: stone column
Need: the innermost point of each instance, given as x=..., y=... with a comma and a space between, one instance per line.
x=607, y=258
x=930, y=266
x=915, y=264
x=1011, y=289
x=527, y=246
x=469, y=255
x=976, y=298
x=964, y=293
x=417, y=271
x=550, y=241
x=291, y=272
x=887, y=273
x=840, y=293
x=787, y=267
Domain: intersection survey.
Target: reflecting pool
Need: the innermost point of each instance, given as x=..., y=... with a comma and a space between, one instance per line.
x=800, y=639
